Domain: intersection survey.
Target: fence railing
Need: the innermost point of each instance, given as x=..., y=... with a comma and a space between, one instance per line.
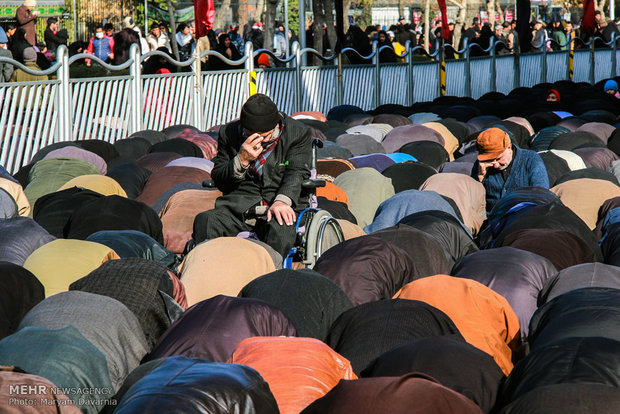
x=35, y=114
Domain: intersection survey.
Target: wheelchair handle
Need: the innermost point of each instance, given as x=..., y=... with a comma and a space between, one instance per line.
x=316, y=143
x=312, y=184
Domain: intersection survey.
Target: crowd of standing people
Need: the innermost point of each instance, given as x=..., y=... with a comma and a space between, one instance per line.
x=111, y=46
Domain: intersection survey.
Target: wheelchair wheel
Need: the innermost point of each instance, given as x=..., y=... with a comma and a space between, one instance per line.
x=321, y=234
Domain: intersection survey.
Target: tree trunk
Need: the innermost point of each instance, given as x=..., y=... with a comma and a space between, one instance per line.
x=319, y=21
x=330, y=22
x=269, y=24
x=498, y=7
x=427, y=26
x=472, y=9
x=243, y=15
x=458, y=26
x=220, y=15
x=258, y=14
x=346, y=5
x=491, y=12
x=173, y=30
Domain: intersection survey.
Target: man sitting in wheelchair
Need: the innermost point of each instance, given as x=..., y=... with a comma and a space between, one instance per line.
x=262, y=161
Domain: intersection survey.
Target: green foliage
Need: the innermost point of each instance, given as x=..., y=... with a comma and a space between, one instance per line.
x=293, y=16
x=153, y=15
x=365, y=19
x=139, y=16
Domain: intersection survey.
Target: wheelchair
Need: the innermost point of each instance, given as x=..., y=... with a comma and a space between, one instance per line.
x=315, y=229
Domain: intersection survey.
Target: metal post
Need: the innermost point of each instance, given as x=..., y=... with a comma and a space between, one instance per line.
x=136, y=89
x=298, y=89
x=493, y=67
x=249, y=66
x=339, y=83
x=543, y=63
x=517, y=66
x=592, y=60
x=442, y=67
x=377, y=87
x=427, y=25
x=63, y=97
x=613, y=55
x=286, y=27
x=571, y=56
x=197, y=95
x=302, y=28
x=146, y=17
x=249, y=52
x=410, y=90
x=75, y=25
x=467, y=68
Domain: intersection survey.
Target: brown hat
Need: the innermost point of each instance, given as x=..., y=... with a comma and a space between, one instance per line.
x=492, y=143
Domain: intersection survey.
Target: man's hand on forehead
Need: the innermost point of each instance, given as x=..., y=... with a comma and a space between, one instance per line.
x=250, y=149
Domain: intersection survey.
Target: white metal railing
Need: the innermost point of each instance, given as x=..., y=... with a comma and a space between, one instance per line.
x=35, y=114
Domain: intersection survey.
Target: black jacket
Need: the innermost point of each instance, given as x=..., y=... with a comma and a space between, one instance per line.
x=52, y=41
x=283, y=172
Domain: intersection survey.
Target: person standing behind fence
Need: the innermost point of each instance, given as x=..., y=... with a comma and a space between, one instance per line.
x=404, y=33
x=108, y=30
x=6, y=69
x=128, y=23
x=100, y=46
x=538, y=34
x=228, y=50
x=44, y=56
x=18, y=44
x=185, y=40
x=51, y=36
x=513, y=37
x=279, y=44
x=558, y=35
x=236, y=38
x=501, y=48
x=157, y=39
x=10, y=32
x=255, y=35
x=387, y=55
x=30, y=59
x=26, y=18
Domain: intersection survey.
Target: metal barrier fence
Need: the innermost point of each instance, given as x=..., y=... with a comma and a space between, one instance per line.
x=35, y=114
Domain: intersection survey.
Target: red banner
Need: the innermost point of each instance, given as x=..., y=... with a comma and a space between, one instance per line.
x=445, y=30
x=588, y=23
x=204, y=13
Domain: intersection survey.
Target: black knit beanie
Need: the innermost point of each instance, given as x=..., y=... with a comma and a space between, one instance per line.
x=259, y=114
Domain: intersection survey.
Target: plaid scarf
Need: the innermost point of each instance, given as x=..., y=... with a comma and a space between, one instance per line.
x=257, y=165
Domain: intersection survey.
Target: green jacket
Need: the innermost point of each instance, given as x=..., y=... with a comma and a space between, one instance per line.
x=21, y=76
x=559, y=37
